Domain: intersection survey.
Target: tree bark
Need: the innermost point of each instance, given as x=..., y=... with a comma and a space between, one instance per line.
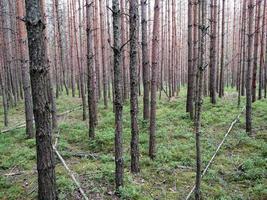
x=212, y=77
x=190, y=78
x=104, y=57
x=25, y=70
x=249, y=62
x=199, y=91
x=221, y=90
x=262, y=51
x=256, y=48
x=135, y=168
x=41, y=105
x=155, y=63
x=118, y=93
x=145, y=60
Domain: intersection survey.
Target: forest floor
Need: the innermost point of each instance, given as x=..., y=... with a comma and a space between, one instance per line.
x=238, y=171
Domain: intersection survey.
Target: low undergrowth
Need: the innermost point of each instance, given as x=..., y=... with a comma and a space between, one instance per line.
x=238, y=172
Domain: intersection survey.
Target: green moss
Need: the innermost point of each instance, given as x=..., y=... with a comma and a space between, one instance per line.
x=238, y=171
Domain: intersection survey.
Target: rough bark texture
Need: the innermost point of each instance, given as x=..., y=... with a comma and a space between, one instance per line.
x=80, y=58
x=60, y=48
x=221, y=90
x=135, y=168
x=118, y=93
x=25, y=70
x=190, y=79
x=145, y=60
x=41, y=105
x=249, y=62
x=155, y=63
x=199, y=91
x=213, y=36
x=256, y=47
x=262, y=51
x=90, y=68
x=123, y=41
x=103, y=48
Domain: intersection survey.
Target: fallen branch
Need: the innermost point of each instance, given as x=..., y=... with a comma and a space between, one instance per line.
x=218, y=148
x=71, y=174
x=83, y=155
x=22, y=125
x=20, y=173
x=70, y=111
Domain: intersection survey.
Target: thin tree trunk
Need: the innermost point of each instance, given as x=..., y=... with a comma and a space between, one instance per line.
x=104, y=57
x=249, y=62
x=25, y=71
x=190, y=78
x=90, y=68
x=256, y=48
x=212, y=77
x=155, y=62
x=221, y=90
x=262, y=50
x=199, y=91
x=118, y=93
x=145, y=60
x=135, y=168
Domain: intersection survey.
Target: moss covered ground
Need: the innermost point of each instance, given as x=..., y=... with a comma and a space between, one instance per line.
x=238, y=171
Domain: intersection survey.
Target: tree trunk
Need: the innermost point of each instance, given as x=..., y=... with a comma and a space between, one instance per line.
x=221, y=90
x=135, y=168
x=104, y=57
x=249, y=62
x=155, y=62
x=199, y=91
x=118, y=93
x=190, y=78
x=145, y=60
x=59, y=40
x=262, y=51
x=90, y=68
x=256, y=48
x=25, y=71
x=41, y=106
x=213, y=36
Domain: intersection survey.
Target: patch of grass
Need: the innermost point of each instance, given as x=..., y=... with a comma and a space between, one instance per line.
x=238, y=171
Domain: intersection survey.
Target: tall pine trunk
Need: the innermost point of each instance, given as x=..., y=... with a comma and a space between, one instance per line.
x=118, y=93
x=145, y=60
x=41, y=105
x=25, y=71
x=135, y=168
x=155, y=63
x=213, y=18
x=249, y=63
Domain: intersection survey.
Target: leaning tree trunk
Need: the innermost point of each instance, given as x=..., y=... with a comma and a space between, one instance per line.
x=41, y=105
x=155, y=63
x=118, y=93
x=249, y=62
x=25, y=71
